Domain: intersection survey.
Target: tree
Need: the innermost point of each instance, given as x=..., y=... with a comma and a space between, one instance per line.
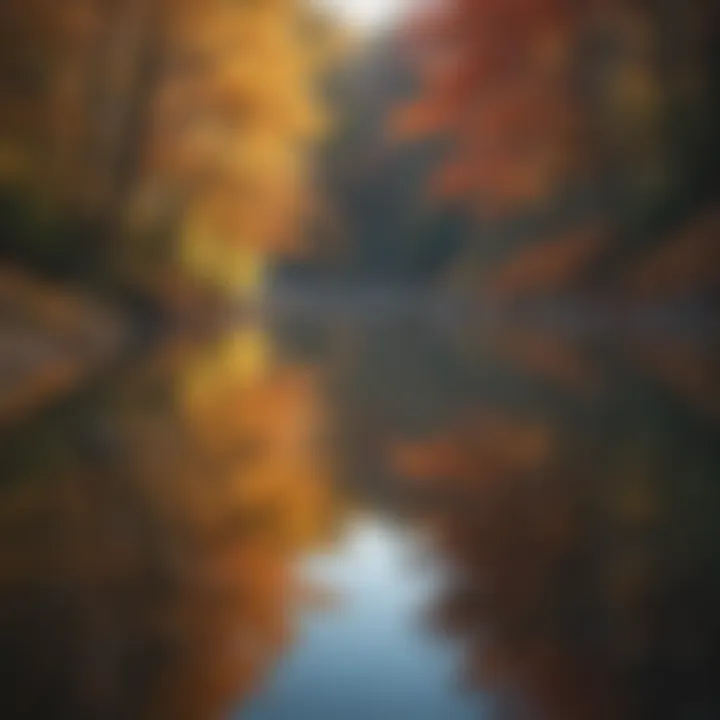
x=572, y=114
x=175, y=133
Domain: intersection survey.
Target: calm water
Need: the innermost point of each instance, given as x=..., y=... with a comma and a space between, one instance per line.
x=369, y=516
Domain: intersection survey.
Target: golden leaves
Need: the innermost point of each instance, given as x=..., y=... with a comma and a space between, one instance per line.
x=251, y=87
x=205, y=111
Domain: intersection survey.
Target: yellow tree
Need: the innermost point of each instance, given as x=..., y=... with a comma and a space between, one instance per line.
x=184, y=125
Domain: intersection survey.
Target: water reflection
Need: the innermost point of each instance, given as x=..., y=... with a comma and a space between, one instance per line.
x=569, y=484
x=382, y=518
x=581, y=518
x=369, y=656
x=147, y=533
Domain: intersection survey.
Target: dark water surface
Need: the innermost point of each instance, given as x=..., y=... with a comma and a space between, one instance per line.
x=368, y=518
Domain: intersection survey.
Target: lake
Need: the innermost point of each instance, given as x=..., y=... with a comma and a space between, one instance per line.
x=370, y=514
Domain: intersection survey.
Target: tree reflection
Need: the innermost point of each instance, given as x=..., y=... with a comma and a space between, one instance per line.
x=582, y=536
x=147, y=536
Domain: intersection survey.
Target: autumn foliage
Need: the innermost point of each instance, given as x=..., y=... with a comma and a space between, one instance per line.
x=559, y=114
x=501, y=77
x=147, y=555
x=579, y=536
x=173, y=135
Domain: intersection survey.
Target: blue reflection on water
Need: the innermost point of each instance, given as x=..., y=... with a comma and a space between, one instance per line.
x=369, y=657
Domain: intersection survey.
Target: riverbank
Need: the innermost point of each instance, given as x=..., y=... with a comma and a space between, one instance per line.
x=51, y=338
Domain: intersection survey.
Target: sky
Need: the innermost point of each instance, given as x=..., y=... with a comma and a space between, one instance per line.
x=366, y=15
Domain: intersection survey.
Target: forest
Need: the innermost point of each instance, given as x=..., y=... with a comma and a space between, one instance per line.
x=173, y=151
x=270, y=270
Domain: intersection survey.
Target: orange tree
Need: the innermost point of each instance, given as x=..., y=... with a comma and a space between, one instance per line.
x=570, y=116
